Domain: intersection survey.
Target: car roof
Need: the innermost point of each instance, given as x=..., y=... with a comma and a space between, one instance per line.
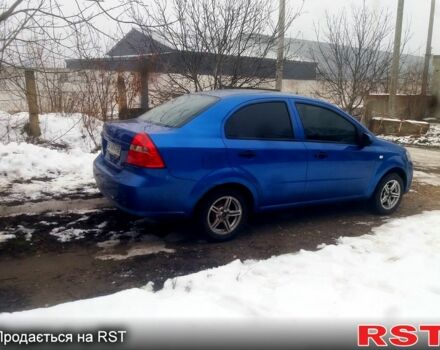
x=246, y=93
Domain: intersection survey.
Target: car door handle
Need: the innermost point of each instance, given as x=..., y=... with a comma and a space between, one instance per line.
x=321, y=155
x=247, y=154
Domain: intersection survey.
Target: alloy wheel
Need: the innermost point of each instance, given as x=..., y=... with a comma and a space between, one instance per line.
x=390, y=194
x=224, y=215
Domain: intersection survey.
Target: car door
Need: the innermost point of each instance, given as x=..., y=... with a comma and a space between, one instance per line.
x=338, y=167
x=261, y=145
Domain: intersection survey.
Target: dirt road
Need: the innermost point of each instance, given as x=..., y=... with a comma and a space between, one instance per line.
x=59, y=257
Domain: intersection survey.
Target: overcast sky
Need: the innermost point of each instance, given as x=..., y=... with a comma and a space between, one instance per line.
x=416, y=17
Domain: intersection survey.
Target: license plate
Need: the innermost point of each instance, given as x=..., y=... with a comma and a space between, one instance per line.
x=113, y=149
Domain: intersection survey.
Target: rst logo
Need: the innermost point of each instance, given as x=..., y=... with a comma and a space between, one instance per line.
x=399, y=335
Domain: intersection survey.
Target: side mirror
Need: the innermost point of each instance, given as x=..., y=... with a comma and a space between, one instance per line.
x=365, y=139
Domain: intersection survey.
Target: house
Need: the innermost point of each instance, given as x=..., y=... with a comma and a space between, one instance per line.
x=153, y=58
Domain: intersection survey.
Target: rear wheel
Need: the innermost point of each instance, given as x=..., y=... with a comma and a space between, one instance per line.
x=388, y=194
x=222, y=214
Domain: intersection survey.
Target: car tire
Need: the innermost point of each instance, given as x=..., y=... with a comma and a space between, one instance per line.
x=222, y=214
x=388, y=194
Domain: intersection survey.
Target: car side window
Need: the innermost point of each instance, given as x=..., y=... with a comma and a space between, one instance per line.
x=322, y=124
x=260, y=121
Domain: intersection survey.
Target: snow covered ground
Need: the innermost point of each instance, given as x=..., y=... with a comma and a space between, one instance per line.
x=427, y=165
x=431, y=138
x=31, y=172
x=35, y=172
x=389, y=273
x=56, y=128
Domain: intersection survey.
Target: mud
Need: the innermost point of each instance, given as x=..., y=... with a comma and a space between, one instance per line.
x=115, y=251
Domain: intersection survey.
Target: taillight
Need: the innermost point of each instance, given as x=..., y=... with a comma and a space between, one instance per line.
x=144, y=153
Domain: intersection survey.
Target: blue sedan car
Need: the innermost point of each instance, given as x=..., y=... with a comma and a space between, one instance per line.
x=218, y=156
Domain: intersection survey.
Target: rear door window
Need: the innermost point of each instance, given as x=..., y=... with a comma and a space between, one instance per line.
x=260, y=121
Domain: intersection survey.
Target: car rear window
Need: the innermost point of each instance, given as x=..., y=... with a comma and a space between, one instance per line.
x=178, y=111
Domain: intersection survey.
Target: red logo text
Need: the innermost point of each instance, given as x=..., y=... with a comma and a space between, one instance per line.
x=399, y=335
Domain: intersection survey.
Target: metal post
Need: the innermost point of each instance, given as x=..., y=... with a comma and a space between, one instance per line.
x=396, y=59
x=280, y=52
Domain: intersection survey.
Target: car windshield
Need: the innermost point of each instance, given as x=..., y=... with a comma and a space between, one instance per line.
x=178, y=111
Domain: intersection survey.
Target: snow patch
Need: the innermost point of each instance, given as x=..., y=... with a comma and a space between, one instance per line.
x=47, y=223
x=31, y=172
x=27, y=232
x=66, y=129
x=6, y=236
x=67, y=235
x=38, y=172
x=431, y=138
x=13, y=232
x=102, y=224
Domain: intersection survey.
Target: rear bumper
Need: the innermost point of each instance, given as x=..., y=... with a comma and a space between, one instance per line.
x=142, y=192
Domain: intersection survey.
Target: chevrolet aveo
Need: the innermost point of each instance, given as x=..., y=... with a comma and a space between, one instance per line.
x=218, y=156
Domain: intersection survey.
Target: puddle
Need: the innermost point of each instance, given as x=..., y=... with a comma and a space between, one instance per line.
x=427, y=178
x=108, y=244
x=366, y=223
x=137, y=251
x=425, y=158
x=55, y=205
x=112, y=250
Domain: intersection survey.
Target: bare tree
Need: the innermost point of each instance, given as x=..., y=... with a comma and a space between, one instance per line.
x=50, y=77
x=96, y=88
x=353, y=55
x=210, y=44
x=40, y=22
x=39, y=35
x=15, y=18
x=411, y=79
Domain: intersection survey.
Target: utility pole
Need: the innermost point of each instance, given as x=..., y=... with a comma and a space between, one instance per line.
x=428, y=51
x=280, y=52
x=396, y=59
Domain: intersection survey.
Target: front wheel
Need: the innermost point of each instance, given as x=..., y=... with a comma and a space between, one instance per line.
x=388, y=194
x=222, y=214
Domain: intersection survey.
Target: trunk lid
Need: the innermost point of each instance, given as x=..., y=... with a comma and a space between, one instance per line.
x=117, y=137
